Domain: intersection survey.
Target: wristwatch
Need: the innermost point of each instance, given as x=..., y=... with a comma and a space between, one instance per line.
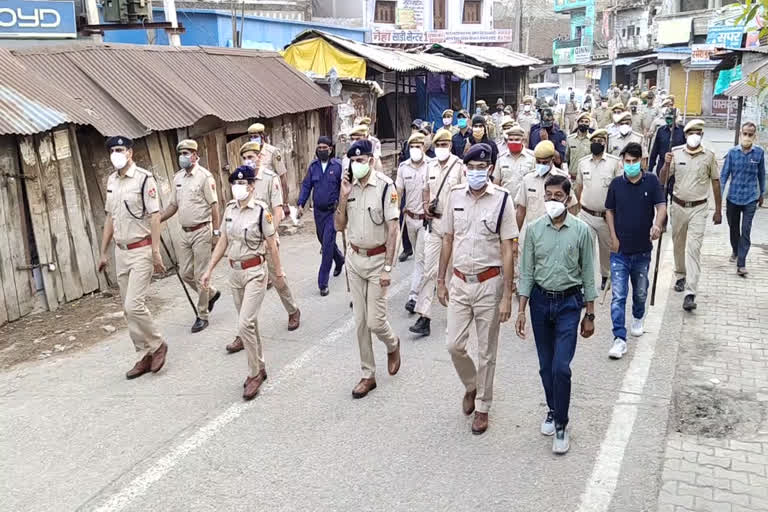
x=589, y=316
x=216, y=232
x=387, y=268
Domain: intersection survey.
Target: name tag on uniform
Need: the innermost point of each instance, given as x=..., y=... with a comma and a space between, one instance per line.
x=680, y=163
x=109, y=191
x=178, y=185
x=573, y=147
x=408, y=177
x=586, y=174
x=458, y=209
x=228, y=219
x=350, y=199
x=532, y=190
x=433, y=177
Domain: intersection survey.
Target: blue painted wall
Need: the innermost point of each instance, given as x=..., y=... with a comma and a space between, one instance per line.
x=206, y=27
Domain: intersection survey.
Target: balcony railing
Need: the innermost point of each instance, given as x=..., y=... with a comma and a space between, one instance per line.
x=566, y=43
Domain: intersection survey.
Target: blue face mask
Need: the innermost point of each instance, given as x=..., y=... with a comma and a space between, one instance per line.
x=477, y=178
x=542, y=169
x=632, y=170
x=462, y=123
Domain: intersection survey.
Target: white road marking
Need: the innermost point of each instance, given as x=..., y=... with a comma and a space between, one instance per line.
x=605, y=475
x=141, y=484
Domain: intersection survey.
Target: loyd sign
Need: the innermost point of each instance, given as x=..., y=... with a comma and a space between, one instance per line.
x=43, y=20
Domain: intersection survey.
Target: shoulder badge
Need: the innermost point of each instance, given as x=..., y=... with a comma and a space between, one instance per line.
x=268, y=216
x=213, y=186
x=393, y=197
x=278, y=156
x=152, y=192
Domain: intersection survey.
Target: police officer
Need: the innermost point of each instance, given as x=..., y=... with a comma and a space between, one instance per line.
x=133, y=220
x=624, y=135
x=272, y=159
x=526, y=116
x=266, y=188
x=360, y=132
x=375, y=142
x=323, y=180
x=638, y=117
x=506, y=124
x=368, y=209
x=594, y=174
x=603, y=113
x=481, y=108
x=447, y=117
x=578, y=143
x=496, y=119
x=480, y=134
x=249, y=232
x=617, y=110
x=411, y=176
x=443, y=172
x=571, y=111
x=481, y=236
x=695, y=170
x=515, y=164
x=194, y=197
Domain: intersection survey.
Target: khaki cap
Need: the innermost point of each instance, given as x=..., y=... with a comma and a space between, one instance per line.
x=544, y=149
x=584, y=115
x=634, y=101
x=447, y=112
x=442, y=135
x=364, y=120
x=256, y=128
x=626, y=116
x=528, y=99
x=515, y=130
x=250, y=146
x=618, y=106
x=507, y=121
x=416, y=138
x=694, y=124
x=188, y=144
x=481, y=103
x=359, y=129
x=602, y=132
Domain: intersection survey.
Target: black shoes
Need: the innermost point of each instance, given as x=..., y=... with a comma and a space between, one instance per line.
x=410, y=306
x=199, y=325
x=689, y=303
x=337, y=269
x=212, y=300
x=680, y=285
x=603, y=283
x=323, y=291
x=405, y=255
x=421, y=326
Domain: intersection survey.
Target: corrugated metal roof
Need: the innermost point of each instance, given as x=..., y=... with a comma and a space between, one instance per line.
x=396, y=60
x=496, y=56
x=134, y=89
x=742, y=87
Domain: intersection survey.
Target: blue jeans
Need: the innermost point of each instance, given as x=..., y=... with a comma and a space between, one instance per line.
x=624, y=268
x=740, y=223
x=555, y=323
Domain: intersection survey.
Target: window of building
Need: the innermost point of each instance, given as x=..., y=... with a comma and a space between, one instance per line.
x=473, y=11
x=385, y=11
x=624, y=32
x=579, y=32
x=438, y=14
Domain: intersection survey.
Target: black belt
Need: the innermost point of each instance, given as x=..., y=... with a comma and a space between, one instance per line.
x=593, y=212
x=573, y=290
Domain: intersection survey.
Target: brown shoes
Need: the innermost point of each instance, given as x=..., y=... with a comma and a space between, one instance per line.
x=468, y=404
x=294, y=320
x=158, y=358
x=393, y=360
x=252, y=385
x=235, y=346
x=140, y=368
x=480, y=424
x=363, y=388
x=263, y=374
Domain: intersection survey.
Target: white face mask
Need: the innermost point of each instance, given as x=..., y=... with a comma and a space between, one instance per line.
x=359, y=170
x=119, y=160
x=240, y=191
x=442, y=153
x=616, y=118
x=624, y=129
x=693, y=140
x=249, y=163
x=554, y=208
x=447, y=121
x=542, y=169
x=477, y=178
x=416, y=154
x=527, y=108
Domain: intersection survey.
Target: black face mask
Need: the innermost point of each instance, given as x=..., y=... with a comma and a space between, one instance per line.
x=323, y=154
x=596, y=148
x=583, y=128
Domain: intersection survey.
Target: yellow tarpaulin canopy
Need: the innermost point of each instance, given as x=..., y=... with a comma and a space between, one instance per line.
x=318, y=56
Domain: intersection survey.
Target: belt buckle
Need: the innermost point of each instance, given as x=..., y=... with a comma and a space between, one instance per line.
x=123, y=247
x=237, y=265
x=471, y=278
x=688, y=204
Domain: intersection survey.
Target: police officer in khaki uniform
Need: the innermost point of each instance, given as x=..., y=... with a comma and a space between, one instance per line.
x=480, y=234
x=272, y=159
x=194, y=197
x=578, y=143
x=248, y=234
x=526, y=116
x=266, y=188
x=571, y=112
x=375, y=142
x=695, y=170
x=506, y=123
x=411, y=177
x=624, y=135
x=133, y=220
x=617, y=111
x=447, y=118
x=638, y=116
x=594, y=174
x=515, y=164
x=603, y=113
x=443, y=172
x=369, y=209
x=360, y=132
x=481, y=108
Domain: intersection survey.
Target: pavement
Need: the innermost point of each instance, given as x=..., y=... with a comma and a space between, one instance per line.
x=75, y=435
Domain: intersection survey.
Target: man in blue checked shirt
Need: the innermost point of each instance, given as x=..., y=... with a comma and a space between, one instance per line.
x=745, y=165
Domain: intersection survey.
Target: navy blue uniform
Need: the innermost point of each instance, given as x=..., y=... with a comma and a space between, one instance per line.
x=324, y=187
x=662, y=146
x=556, y=136
x=458, y=141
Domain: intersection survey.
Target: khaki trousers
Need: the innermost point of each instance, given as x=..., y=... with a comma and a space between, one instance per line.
x=433, y=243
x=600, y=230
x=688, y=226
x=478, y=302
x=248, y=289
x=369, y=304
x=194, y=256
x=416, y=236
x=286, y=297
x=134, y=274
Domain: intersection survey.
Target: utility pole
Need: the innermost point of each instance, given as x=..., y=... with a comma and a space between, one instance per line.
x=169, y=6
x=151, y=34
x=92, y=15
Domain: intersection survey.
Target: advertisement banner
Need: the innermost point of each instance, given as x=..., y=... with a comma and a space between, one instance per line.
x=440, y=36
x=700, y=54
x=39, y=20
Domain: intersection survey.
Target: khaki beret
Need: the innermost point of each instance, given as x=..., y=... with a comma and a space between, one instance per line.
x=365, y=120
x=442, y=135
x=544, y=149
x=256, y=128
x=584, y=115
x=447, y=112
x=634, y=101
x=359, y=129
x=250, y=146
x=667, y=102
x=671, y=96
x=644, y=94
x=188, y=144
x=481, y=103
x=618, y=106
x=464, y=113
x=602, y=132
x=416, y=138
x=515, y=130
x=694, y=124
x=507, y=121
x=626, y=116
x=528, y=99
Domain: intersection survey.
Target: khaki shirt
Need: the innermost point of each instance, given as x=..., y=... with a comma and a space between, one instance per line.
x=638, y=122
x=571, y=107
x=616, y=142
x=130, y=208
x=512, y=169
x=578, y=148
x=474, y=224
x=247, y=229
x=595, y=175
x=526, y=120
x=531, y=194
x=366, y=216
x=435, y=174
x=266, y=188
x=376, y=145
x=194, y=193
x=603, y=116
x=693, y=172
x=272, y=159
x=411, y=179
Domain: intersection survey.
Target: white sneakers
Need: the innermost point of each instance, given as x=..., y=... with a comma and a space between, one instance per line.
x=618, y=349
x=637, y=327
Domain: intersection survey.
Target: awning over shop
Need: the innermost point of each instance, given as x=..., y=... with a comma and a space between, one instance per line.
x=495, y=56
x=318, y=56
x=674, y=31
